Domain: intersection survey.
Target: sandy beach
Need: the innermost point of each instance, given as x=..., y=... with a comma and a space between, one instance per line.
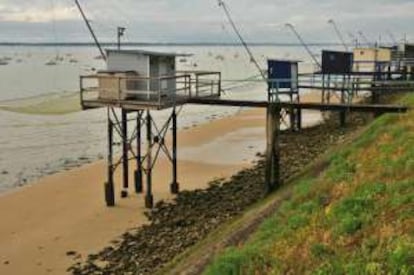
x=66, y=212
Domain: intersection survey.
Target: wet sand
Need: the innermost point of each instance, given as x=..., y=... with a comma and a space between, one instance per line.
x=65, y=212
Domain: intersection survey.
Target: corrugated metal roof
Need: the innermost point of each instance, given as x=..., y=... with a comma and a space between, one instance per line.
x=145, y=52
x=284, y=60
x=334, y=51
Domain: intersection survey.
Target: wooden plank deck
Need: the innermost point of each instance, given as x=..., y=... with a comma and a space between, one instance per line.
x=368, y=108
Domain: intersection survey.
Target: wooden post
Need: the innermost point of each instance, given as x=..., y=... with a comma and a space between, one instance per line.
x=272, y=172
x=342, y=114
x=292, y=114
x=219, y=85
x=323, y=89
x=138, y=171
x=109, y=185
x=174, y=187
x=299, y=116
x=125, y=144
x=149, y=199
x=328, y=94
x=81, y=93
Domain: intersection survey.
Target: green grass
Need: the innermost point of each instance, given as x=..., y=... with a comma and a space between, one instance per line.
x=357, y=217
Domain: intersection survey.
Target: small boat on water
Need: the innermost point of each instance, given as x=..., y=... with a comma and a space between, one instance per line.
x=220, y=57
x=51, y=63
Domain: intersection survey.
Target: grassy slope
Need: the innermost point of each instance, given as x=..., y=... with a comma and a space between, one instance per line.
x=356, y=217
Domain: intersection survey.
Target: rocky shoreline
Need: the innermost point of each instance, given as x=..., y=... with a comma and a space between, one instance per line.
x=176, y=226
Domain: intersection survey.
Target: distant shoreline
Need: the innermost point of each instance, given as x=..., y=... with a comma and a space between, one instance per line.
x=110, y=44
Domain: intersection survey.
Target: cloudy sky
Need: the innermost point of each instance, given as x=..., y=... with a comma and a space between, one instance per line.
x=204, y=21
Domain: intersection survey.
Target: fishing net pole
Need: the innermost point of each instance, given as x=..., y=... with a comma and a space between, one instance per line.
x=236, y=30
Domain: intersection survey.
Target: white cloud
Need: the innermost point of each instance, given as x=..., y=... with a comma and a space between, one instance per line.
x=195, y=20
x=39, y=15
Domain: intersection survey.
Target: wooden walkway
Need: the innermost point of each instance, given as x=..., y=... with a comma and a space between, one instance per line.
x=365, y=108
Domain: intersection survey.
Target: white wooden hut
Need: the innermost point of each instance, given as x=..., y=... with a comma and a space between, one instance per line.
x=138, y=74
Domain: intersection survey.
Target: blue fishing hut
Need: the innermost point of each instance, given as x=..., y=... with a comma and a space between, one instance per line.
x=336, y=78
x=282, y=77
x=282, y=81
x=337, y=63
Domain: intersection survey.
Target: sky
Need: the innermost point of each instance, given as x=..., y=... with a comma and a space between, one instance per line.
x=205, y=21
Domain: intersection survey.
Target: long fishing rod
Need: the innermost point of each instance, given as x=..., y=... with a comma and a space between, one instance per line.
x=236, y=30
x=362, y=35
x=90, y=30
x=391, y=35
x=332, y=22
x=290, y=26
x=354, y=39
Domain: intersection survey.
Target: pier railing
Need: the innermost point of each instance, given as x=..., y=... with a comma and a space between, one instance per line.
x=204, y=83
x=147, y=92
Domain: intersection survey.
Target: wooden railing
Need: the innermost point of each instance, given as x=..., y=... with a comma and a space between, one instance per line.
x=163, y=91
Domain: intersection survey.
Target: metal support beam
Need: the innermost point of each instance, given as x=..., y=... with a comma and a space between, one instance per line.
x=299, y=121
x=174, y=187
x=109, y=185
x=125, y=149
x=272, y=172
x=145, y=161
x=292, y=114
x=342, y=113
x=149, y=199
x=138, y=171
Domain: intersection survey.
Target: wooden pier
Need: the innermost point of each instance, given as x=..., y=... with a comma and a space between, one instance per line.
x=363, y=108
x=137, y=94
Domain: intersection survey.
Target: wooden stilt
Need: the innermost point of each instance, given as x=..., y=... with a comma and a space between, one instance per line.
x=149, y=199
x=272, y=172
x=109, y=185
x=174, y=187
x=299, y=119
x=342, y=114
x=125, y=166
x=138, y=171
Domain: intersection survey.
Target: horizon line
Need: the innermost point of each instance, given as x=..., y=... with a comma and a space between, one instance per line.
x=196, y=43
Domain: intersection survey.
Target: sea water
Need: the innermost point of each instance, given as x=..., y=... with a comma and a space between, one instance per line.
x=33, y=144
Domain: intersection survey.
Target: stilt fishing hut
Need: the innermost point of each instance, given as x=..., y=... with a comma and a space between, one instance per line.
x=336, y=78
x=375, y=62
x=406, y=60
x=134, y=84
x=282, y=85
